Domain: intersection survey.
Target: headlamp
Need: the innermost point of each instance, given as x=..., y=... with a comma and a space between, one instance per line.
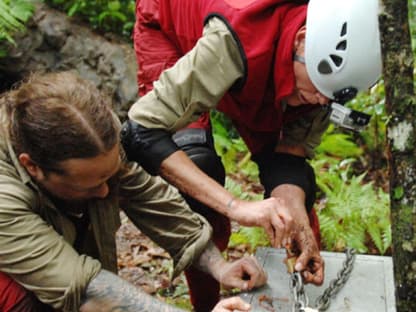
x=344, y=95
x=346, y=117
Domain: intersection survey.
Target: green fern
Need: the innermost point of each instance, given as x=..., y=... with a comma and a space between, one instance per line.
x=338, y=144
x=113, y=15
x=354, y=211
x=253, y=236
x=13, y=15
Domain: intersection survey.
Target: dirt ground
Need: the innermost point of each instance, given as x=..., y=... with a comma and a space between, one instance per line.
x=148, y=266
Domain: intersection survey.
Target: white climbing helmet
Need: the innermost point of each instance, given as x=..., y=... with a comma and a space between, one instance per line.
x=342, y=46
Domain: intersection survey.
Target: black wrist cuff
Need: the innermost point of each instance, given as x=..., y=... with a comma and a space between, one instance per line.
x=279, y=168
x=148, y=147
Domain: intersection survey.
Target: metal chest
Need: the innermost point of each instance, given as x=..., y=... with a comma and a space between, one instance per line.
x=369, y=288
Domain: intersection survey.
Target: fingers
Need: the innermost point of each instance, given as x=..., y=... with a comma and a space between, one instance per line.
x=316, y=278
x=254, y=274
x=232, y=304
x=245, y=274
x=282, y=223
x=272, y=214
x=252, y=268
x=278, y=228
x=316, y=274
x=272, y=236
x=312, y=268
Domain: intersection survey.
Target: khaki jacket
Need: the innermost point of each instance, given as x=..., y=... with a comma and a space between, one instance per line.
x=37, y=236
x=188, y=89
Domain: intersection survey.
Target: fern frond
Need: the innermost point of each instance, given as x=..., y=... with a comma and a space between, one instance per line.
x=13, y=15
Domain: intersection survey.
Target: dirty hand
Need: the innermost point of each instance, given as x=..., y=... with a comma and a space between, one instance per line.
x=232, y=304
x=272, y=214
x=309, y=261
x=245, y=274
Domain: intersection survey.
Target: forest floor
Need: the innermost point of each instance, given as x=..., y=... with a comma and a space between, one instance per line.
x=149, y=267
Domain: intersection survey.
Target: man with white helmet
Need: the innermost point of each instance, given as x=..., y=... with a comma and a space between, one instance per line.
x=246, y=58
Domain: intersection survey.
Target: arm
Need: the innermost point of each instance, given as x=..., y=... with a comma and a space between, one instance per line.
x=245, y=273
x=299, y=139
x=34, y=254
x=193, y=85
x=271, y=214
x=109, y=292
x=159, y=211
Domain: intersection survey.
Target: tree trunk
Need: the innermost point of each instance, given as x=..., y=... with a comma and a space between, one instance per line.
x=400, y=106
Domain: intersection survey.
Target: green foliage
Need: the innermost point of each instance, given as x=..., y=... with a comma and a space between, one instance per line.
x=398, y=193
x=236, y=188
x=253, y=236
x=354, y=213
x=13, y=16
x=116, y=16
x=374, y=136
x=231, y=148
x=338, y=144
x=176, y=295
x=412, y=22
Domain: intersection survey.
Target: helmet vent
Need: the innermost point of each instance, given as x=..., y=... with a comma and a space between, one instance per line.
x=342, y=46
x=324, y=67
x=336, y=59
x=344, y=29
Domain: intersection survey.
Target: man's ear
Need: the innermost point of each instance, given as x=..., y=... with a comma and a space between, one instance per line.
x=299, y=42
x=31, y=167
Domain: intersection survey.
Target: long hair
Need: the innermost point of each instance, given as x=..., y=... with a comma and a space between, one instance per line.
x=58, y=116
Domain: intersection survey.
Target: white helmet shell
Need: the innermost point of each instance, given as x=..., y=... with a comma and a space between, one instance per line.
x=342, y=45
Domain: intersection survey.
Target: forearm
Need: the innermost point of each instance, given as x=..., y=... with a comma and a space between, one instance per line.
x=108, y=292
x=180, y=171
x=211, y=261
x=244, y=273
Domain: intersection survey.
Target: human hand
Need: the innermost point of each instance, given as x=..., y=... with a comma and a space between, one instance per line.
x=309, y=261
x=272, y=214
x=232, y=304
x=245, y=274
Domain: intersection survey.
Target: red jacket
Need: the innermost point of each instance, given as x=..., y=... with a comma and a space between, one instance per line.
x=265, y=31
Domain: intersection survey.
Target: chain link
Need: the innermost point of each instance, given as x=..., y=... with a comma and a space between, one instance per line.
x=301, y=300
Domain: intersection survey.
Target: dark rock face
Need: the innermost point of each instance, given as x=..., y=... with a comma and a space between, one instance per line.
x=55, y=42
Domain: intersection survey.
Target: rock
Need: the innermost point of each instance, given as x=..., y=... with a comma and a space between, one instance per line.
x=55, y=42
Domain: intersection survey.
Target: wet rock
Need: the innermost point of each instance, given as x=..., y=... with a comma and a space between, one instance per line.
x=55, y=42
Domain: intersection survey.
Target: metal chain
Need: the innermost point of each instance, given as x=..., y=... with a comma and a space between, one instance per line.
x=301, y=300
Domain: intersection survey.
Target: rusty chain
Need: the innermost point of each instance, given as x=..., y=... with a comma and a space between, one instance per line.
x=301, y=300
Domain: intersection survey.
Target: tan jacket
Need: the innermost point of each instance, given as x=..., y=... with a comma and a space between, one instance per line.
x=188, y=88
x=37, y=237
